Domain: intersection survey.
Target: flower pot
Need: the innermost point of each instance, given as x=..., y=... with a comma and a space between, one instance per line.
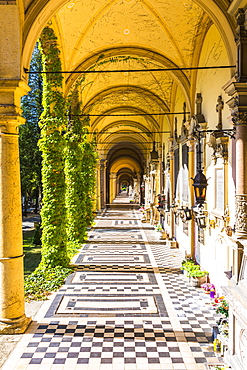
x=194, y=282
x=197, y=281
x=163, y=235
x=186, y=277
x=172, y=244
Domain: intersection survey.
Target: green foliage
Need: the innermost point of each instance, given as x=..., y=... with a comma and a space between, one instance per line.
x=51, y=63
x=37, y=234
x=68, y=167
x=192, y=269
x=39, y=282
x=30, y=156
x=43, y=281
x=80, y=162
x=187, y=260
x=223, y=308
x=74, y=177
x=197, y=273
x=89, y=168
x=52, y=144
x=187, y=265
x=32, y=253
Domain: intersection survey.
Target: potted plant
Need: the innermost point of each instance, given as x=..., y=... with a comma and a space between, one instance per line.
x=223, y=308
x=158, y=227
x=187, y=265
x=197, y=276
x=187, y=261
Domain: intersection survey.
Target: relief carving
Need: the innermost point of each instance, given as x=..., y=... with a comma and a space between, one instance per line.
x=219, y=139
x=239, y=311
x=220, y=147
x=238, y=117
x=241, y=216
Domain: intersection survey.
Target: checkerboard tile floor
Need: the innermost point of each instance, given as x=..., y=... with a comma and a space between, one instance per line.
x=127, y=306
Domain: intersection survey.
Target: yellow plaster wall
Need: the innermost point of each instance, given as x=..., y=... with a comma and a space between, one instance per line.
x=210, y=82
x=10, y=42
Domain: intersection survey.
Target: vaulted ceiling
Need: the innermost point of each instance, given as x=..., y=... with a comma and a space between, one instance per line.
x=127, y=36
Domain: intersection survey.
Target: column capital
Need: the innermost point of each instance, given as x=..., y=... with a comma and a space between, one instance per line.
x=191, y=144
x=237, y=102
x=11, y=91
x=113, y=175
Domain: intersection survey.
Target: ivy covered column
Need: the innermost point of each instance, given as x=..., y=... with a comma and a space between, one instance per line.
x=103, y=183
x=98, y=197
x=75, y=194
x=52, y=144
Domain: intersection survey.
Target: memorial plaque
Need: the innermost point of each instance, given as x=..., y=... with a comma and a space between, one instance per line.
x=219, y=189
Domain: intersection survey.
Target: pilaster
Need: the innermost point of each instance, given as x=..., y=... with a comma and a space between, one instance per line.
x=113, y=177
x=238, y=106
x=172, y=188
x=191, y=174
x=237, y=91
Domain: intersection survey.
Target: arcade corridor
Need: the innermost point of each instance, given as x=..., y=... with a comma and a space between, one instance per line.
x=127, y=306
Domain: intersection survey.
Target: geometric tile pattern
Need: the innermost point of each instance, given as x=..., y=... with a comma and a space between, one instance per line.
x=107, y=305
x=58, y=343
x=127, y=306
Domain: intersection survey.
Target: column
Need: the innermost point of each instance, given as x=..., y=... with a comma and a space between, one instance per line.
x=172, y=189
x=191, y=174
x=237, y=90
x=113, y=177
x=103, y=183
x=12, y=312
x=98, y=189
x=139, y=187
x=241, y=180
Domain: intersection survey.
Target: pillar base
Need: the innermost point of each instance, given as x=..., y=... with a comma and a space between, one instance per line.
x=15, y=326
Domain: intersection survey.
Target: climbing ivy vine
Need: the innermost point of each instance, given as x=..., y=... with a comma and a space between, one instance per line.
x=52, y=144
x=88, y=166
x=74, y=176
x=68, y=167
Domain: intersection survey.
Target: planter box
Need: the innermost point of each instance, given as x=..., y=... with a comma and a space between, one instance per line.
x=186, y=278
x=163, y=235
x=196, y=282
x=172, y=244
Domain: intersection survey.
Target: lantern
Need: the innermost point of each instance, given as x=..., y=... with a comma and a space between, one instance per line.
x=200, y=186
x=187, y=214
x=201, y=221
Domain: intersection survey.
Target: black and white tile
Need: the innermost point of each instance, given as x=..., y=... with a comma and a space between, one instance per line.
x=127, y=306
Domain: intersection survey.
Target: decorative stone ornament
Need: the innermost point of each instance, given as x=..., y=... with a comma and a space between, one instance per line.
x=241, y=216
x=220, y=147
x=218, y=139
